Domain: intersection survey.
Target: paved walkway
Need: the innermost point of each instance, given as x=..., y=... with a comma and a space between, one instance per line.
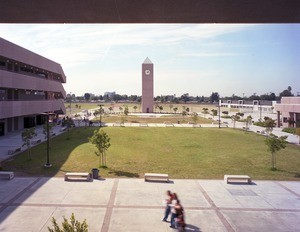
x=121, y=205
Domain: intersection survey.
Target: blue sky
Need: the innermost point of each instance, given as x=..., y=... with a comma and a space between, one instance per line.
x=188, y=58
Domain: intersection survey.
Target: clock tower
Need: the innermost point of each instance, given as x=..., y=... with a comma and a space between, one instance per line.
x=147, y=86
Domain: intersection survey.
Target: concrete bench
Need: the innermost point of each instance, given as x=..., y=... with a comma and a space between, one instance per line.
x=237, y=178
x=11, y=152
x=7, y=175
x=77, y=175
x=156, y=176
x=143, y=124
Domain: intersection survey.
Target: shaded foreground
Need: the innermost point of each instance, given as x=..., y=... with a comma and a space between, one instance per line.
x=200, y=153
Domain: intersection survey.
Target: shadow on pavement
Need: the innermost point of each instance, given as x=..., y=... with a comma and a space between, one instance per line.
x=189, y=227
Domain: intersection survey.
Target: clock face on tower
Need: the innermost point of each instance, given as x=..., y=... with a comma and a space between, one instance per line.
x=147, y=72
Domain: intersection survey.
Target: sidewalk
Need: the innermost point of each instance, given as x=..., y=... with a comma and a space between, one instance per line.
x=130, y=205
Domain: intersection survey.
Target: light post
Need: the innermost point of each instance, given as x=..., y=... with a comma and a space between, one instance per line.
x=70, y=94
x=100, y=112
x=48, y=165
x=219, y=114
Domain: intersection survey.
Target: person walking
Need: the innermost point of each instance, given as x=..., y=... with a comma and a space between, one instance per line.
x=168, y=202
x=173, y=210
x=180, y=222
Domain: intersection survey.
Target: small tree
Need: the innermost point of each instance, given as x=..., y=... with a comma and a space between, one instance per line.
x=126, y=110
x=235, y=118
x=214, y=112
x=248, y=121
x=102, y=142
x=274, y=144
x=110, y=109
x=135, y=107
x=160, y=109
x=195, y=118
x=175, y=109
x=269, y=123
x=205, y=110
x=27, y=135
x=72, y=226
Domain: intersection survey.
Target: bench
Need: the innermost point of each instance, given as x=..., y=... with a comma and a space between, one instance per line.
x=237, y=178
x=156, y=176
x=77, y=175
x=11, y=152
x=7, y=175
x=143, y=124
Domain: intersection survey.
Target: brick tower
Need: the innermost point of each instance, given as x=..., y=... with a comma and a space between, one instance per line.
x=147, y=86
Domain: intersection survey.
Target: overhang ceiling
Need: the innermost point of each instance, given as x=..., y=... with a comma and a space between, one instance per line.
x=150, y=11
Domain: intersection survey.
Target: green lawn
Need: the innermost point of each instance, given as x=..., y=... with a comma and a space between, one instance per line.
x=180, y=152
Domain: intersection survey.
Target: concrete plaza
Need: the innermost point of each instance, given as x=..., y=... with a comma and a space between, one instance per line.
x=117, y=205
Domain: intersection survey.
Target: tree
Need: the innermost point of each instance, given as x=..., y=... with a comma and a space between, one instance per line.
x=195, y=117
x=287, y=92
x=126, y=110
x=175, y=109
x=225, y=113
x=27, y=135
x=135, y=107
x=183, y=113
x=248, y=121
x=235, y=118
x=214, y=112
x=110, y=109
x=269, y=124
x=214, y=97
x=87, y=96
x=274, y=144
x=121, y=109
x=205, y=111
x=160, y=109
x=72, y=226
x=102, y=143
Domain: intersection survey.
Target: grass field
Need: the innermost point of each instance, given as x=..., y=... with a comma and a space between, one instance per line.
x=180, y=152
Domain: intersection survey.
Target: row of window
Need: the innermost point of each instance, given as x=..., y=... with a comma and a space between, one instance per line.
x=14, y=66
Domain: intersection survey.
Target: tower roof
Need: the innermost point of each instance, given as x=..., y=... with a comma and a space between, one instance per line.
x=147, y=61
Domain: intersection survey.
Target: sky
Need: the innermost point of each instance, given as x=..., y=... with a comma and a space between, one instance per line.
x=198, y=59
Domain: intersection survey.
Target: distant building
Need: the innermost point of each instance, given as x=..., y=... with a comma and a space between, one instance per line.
x=29, y=86
x=289, y=110
x=110, y=95
x=249, y=106
x=147, y=86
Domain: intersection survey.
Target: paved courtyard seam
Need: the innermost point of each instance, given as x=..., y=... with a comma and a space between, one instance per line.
x=287, y=189
x=109, y=209
x=10, y=202
x=215, y=208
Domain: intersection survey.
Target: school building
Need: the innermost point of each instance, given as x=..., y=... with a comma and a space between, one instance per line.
x=288, y=112
x=30, y=85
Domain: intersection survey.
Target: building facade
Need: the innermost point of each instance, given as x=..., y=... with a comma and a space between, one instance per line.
x=250, y=106
x=147, y=86
x=30, y=85
x=288, y=112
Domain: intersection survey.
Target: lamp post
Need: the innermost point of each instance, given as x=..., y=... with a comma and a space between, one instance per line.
x=100, y=112
x=48, y=165
x=219, y=114
x=70, y=94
